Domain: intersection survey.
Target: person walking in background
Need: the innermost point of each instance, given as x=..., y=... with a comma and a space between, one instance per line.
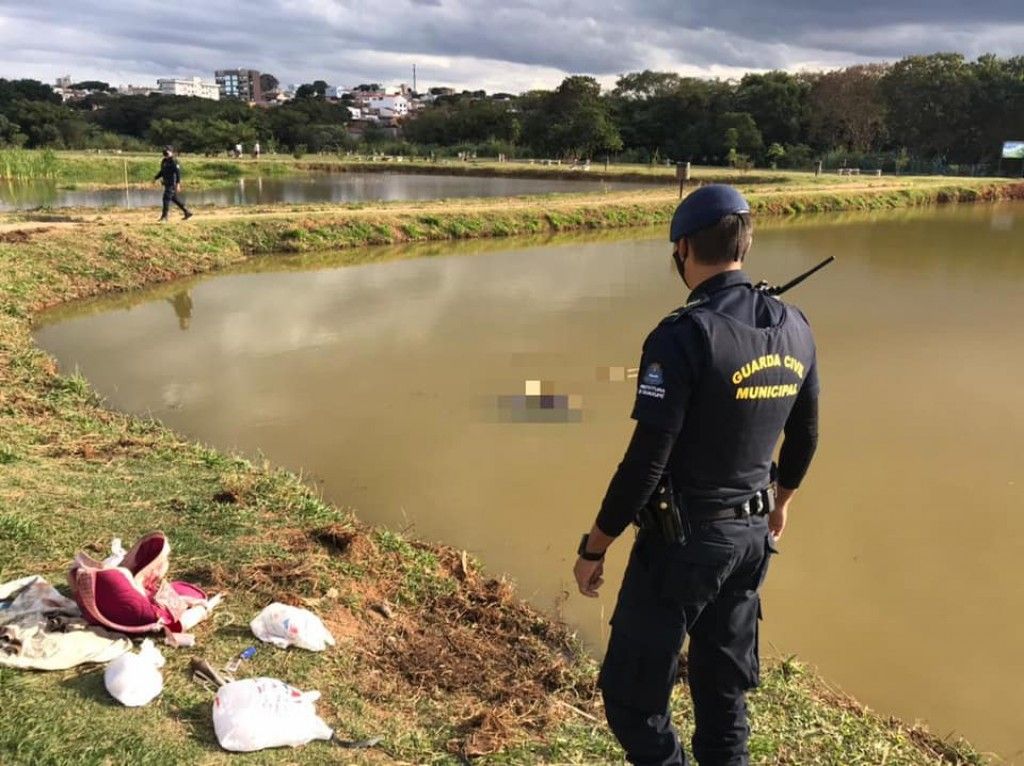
x=170, y=174
x=256, y=150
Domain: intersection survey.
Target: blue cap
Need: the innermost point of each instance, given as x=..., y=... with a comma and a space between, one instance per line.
x=705, y=207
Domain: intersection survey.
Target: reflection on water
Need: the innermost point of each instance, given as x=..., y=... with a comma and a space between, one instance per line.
x=182, y=303
x=899, y=574
x=328, y=187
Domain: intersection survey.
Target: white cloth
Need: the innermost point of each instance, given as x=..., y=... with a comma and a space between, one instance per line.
x=42, y=630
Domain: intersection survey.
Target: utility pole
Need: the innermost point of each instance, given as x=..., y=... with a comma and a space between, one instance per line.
x=414, y=90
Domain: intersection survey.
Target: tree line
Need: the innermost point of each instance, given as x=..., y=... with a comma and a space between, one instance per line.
x=936, y=113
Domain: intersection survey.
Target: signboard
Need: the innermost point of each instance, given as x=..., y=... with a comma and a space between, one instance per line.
x=1013, y=150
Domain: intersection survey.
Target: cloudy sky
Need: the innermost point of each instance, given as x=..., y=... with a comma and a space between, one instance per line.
x=499, y=46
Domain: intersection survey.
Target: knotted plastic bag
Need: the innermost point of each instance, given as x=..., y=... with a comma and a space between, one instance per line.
x=284, y=626
x=135, y=679
x=258, y=713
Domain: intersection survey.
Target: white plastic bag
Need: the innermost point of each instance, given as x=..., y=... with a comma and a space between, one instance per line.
x=257, y=713
x=284, y=626
x=135, y=679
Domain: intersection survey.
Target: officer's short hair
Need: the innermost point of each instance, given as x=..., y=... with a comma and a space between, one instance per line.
x=725, y=241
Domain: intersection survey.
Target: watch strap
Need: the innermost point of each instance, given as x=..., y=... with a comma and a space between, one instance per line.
x=584, y=554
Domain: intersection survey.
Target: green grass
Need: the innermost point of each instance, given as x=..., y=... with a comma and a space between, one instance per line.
x=81, y=170
x=74, y=474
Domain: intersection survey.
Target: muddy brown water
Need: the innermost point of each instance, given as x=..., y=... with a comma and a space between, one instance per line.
x=398, y=384
x=315, y=188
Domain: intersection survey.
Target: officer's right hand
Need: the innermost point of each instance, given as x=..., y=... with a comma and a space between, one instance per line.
x=777, y=520
x=589, y=576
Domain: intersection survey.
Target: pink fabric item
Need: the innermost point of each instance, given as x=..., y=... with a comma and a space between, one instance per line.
x=120, y=602
x=109, y=597
x=148, y=560
x=189, y=591
x=134, y=597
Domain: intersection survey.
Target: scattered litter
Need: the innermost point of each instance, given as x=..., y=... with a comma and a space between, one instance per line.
x=117, y=553
x=134, y=596
x=232, y=667
x=42, y=630
x=284, y=626
x=257, y=713
x=204, y=673
x=353, y=744
x=135, y=679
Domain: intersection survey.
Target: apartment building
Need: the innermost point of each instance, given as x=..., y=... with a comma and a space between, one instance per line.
x=192, y=86
x=242, y=84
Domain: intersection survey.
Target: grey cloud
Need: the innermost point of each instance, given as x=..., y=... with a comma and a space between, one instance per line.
x=469, y=41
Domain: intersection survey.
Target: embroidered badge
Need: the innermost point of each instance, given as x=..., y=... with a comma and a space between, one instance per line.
x=651, y=382
x=653, y=375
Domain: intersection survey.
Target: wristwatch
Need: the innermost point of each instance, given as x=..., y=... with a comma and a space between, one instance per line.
x=584, y=554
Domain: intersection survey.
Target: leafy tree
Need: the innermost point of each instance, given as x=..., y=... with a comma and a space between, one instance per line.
x=996, y=108
x=641, y=86
x=463, y=121
x=676, y=122
x=928, y=100
x=778, y=103
x=309, y=122
x=739, y=133
x=210, y=135
x=846, y=108
x=573, y=121
x=45, y=123
x=92, y=85
x=27, y=90
x=10, y=133
x=269, y=83
x=316, y=89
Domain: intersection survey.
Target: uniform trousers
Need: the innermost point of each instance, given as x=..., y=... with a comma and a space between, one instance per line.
x=170, y=195
x=705, y=587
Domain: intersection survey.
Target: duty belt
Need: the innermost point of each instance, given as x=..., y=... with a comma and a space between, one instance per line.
x=760, y=504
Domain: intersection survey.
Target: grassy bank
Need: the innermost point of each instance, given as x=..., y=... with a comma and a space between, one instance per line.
x=461, y=669
x=80, y=169
x=300, y=228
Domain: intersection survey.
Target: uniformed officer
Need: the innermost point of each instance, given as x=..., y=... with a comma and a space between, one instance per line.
x=170, y=174
x=720, y=380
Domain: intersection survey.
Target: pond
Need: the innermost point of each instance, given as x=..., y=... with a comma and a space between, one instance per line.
x=399, y=385
x=327, y=187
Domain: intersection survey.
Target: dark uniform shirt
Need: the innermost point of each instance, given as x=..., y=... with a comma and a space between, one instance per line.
x=170, y=172
x=718, y=383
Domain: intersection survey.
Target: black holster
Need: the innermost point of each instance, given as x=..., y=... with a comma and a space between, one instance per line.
x=661, y=515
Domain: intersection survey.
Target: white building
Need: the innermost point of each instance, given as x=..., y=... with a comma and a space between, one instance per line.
x=193, y=86
x=390, y=106
x=136, y=90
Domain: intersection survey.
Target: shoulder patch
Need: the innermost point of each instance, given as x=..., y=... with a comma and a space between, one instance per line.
x=682, y=311
x=654, y=375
